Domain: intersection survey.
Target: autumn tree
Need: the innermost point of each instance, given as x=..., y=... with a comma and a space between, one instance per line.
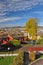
x=31, y=27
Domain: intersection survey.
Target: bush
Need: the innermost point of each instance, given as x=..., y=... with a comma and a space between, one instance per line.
x=18, y=60
x=40, y=41
x=32, y=56
x=15, y=42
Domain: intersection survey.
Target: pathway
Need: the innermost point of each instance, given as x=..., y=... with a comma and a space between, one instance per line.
x=9, y=54
x=37, y=62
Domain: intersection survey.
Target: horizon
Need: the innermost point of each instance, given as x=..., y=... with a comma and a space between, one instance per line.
x=18, y=27
x=17, y=12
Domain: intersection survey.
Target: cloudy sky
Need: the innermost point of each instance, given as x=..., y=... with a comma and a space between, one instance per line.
x=17, y=12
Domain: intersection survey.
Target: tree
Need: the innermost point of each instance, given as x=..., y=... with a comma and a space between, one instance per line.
x=40, y=41
x=31, y=27
x=15, y=42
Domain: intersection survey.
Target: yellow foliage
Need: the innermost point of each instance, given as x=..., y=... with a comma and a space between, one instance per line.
x=32, y=55
x=31, y=27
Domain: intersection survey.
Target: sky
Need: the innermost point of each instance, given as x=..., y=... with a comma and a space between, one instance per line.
x=17, y=12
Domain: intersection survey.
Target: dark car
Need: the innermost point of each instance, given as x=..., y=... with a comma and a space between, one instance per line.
x=6, y=47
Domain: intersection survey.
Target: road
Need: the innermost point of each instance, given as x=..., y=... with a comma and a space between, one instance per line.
x=37, y=62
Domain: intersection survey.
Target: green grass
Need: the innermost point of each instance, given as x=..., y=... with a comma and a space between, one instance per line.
x=6, y=60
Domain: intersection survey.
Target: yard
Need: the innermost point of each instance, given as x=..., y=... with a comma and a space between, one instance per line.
x=6, y=60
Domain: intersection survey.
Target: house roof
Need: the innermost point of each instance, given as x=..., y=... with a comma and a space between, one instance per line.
x=33, y=48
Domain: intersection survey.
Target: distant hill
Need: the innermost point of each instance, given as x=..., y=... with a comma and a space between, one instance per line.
x=40, y=27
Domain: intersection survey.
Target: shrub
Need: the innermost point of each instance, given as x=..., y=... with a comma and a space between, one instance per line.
x=15, y=42
x=18, y=60
x=40, y=41
x=32, y=56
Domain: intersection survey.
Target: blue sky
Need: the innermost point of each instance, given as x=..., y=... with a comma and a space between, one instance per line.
x=17, y=12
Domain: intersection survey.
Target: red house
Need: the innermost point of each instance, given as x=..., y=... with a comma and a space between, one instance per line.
x=9, y=38
x=5, y=42
x=6, y=39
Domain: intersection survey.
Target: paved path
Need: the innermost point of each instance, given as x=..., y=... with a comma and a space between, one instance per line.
x=9, y=54
x=37, y=62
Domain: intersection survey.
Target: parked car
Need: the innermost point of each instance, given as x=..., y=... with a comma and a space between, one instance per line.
x=6, y=47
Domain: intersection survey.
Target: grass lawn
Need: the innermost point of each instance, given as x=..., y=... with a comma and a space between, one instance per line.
x=6, y=60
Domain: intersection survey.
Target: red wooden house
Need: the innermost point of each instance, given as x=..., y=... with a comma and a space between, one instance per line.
x=6, y=39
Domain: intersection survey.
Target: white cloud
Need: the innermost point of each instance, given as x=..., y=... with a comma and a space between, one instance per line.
x=2, y=14
x=15, y=5
x=10, y=19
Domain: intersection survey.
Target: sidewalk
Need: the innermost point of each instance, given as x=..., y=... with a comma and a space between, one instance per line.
x=9, y=54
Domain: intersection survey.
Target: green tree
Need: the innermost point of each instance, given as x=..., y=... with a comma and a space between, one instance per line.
x=31, y=27
x=40, y=41
x=15, y=42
